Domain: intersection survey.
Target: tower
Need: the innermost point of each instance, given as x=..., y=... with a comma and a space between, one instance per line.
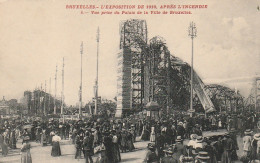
x=130, y=72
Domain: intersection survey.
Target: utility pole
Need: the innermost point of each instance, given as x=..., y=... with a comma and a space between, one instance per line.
x=62, y=92
x=49, y=95
x=55, y=109
x=40, y=99
x=80, y=87
x=192, y=34
x=44, y=101
x=255, y=94
x=96, y=92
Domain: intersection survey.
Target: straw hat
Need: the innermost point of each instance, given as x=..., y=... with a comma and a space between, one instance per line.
x=203, y=156
x=199, y=139
x=248, y=132
x=186, y=159
x=169, y=151
x=257, y=136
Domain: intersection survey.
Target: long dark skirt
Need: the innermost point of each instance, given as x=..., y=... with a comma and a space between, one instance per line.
x=130, y=145
x=55, y=151
x=13, y=143
x=116, y=153
x=26, y=157
x=4, y=149
x=226, y=157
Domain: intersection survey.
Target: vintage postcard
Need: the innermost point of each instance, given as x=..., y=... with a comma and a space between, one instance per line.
x=110, y=81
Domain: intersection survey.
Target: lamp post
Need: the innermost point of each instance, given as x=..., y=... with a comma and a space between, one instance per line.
x=192, y=34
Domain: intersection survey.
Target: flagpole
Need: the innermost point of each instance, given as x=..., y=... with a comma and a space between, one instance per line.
x=49, y=96
x=44, y=101
x=62, y=93
x=80, y=88
x=55, y=109
x=96, y=93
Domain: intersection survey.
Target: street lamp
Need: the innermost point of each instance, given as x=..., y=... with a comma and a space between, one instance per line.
x=192, y=34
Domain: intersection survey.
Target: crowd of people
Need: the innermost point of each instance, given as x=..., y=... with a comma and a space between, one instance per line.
x=176, y=137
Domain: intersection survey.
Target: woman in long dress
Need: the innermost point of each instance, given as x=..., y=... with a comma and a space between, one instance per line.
x=44, y=138
x=25, y=151
x=3, y=145
x=13, y=140
x=152, y=136
x=55, y=151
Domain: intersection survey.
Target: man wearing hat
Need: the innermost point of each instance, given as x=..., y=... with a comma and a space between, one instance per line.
x=180, y=149
x=151, y=156
x=233, y=136
x=229, y=147
x=210, y=148
x=180, y=130
x=160, y=142
x=78, y=145
x=169, y=158
x=88, y=147
x=255, y=155
x=247, y=140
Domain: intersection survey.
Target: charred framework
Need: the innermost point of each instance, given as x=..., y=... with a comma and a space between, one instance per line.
x=148, y=72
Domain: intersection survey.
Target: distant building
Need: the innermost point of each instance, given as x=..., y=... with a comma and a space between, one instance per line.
x=4, y=107
x=8, y=107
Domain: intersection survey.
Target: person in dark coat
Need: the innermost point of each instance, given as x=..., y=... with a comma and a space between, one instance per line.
x=123, y=142
x=78, y=145
x=229, y=146
x=13, y=139
x=179, y=148
x=151, y=156
x=107, y=141
x=159, y=143
x=169, y=134
x=219, y=146
x=3, y=145
x=180, y=130
x=233, y=136
x=130, y=143
x=116, y=151
x=211, y=151
x=88, y=147
x=169, y=158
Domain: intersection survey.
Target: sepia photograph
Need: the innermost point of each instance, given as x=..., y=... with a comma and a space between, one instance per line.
x=129, y=81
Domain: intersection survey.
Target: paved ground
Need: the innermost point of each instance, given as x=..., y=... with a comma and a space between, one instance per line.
x=43, y=154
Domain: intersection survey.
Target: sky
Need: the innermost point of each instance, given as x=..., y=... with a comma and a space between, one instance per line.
x=36, y=35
